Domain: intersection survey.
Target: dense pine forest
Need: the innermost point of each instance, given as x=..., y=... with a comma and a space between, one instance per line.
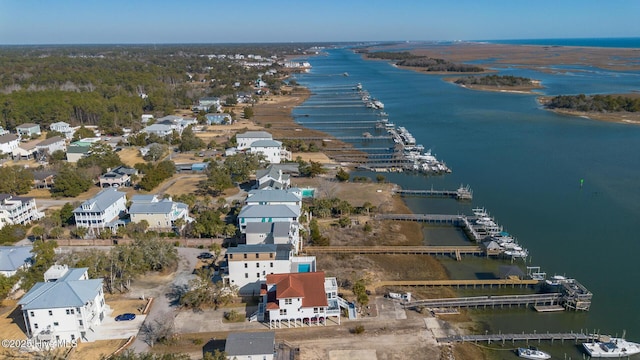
x=111, y=86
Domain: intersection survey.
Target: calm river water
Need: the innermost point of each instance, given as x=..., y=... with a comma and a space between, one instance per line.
x=524, y=165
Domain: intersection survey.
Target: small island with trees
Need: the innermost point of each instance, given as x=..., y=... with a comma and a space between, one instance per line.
x=426, y=64
x=503, y=83
x=614, y=108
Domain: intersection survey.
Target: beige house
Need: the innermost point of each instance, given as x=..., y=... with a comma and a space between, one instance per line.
x=161, y=214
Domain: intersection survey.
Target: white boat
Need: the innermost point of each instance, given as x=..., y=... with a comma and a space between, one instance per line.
x=532, y=353
x=608, y=347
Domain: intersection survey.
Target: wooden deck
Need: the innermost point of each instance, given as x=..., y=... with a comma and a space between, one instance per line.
x=456, y=251
x=502, y=338
x=459, y=283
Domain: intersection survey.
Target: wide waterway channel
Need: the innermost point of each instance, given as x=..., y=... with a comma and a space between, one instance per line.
x=524, y=165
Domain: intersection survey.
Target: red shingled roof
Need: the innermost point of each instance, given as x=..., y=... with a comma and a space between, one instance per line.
x=309, y=286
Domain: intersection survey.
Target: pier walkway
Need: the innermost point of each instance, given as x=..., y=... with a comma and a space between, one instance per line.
x=462, y=193
x=454, y=251
x=502, y=338
x=459, y=283
x=427, y=218
x=494, y=301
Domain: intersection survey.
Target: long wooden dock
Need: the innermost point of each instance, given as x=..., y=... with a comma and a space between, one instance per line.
x=462, y=193
x=502, y=338
x=494, y=301
x=426, y=218
x=459, y=283
x=456, y=251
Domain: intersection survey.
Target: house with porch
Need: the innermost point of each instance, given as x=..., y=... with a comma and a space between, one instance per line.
x=251, y=346
x=18, y=209
x=65, y=307
x=28, y=130
x=273, y=177
x=51, y=144
x=218, y=119
x=101, y=211
x=77, y=151
x=245, y=139
x=299, y=299
x=8, y=142
x=63, y=128
x=120, y=176
x=248, y=265
x=160, y=213
x=267, y=213
x=272, y=150
x=25, y=150
x=291, y=196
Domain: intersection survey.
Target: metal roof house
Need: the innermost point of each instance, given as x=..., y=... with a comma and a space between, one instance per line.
x=267, y=213
x=65, y=307
x=102, y=210
x=251, y=345
x=14, y=258
x=160, y=214
x=120, y=176
x=245, y=139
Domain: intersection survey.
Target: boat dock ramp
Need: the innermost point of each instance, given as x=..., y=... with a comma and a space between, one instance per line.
x=503, y=338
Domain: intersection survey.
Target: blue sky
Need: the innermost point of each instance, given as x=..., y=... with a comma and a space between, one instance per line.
x=212, y=21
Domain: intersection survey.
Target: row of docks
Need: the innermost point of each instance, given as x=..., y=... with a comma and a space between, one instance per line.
x=503, y=338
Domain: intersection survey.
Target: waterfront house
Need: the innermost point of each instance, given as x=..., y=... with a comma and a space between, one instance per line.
x=248, y=265
x=51, y=144
x=290, y=196
x=28, y=130
x=160, y=213
x=251, y=346
x=305, y=298
x=8, y=142
x=65, y=307
x=272, y=150
x=273, y=177
x=120, y=176
x=63, y=128
x=18, y=209
x=14, y=258
x=101, y=211
x=245, y=139
x=267, y=213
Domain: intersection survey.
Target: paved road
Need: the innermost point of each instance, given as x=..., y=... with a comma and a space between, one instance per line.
x=162, y=304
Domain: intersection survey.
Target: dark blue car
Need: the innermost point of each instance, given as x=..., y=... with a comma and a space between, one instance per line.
x=125, y=317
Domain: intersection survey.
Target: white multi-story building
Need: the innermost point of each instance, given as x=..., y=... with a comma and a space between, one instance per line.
x=8, y=142
x=272, y=150
x=298, y=299
x=291, y=196
x=102, y=210
x=245, y=140
x=18, y=210
x=248, y=265
x=64, y=307
x=52, y=144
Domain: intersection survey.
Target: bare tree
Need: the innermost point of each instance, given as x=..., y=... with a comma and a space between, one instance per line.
x=159, y=330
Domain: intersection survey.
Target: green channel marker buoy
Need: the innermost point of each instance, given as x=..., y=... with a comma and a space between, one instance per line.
x=581, y=182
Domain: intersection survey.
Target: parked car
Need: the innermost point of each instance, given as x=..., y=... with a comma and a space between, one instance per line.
x=205, y=255
x=125, y=317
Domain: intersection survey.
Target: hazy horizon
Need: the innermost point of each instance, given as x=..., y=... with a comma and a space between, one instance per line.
x=73, y=22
